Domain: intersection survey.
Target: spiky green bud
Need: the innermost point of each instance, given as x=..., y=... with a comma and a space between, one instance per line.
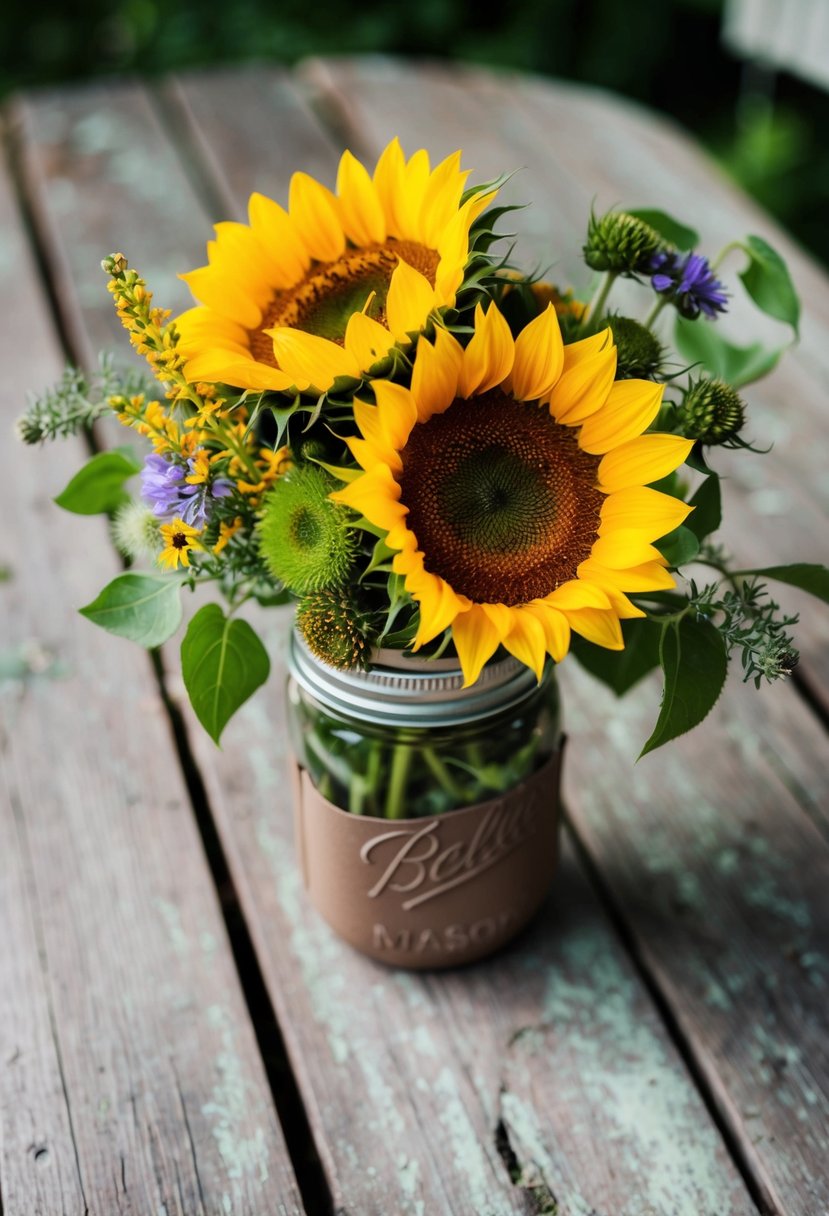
x=712, y=412
x=620, y=243
x=639, y=353
x=303, y=536
x=335, y=628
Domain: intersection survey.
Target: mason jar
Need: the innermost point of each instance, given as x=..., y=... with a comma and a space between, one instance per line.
x=426, y=812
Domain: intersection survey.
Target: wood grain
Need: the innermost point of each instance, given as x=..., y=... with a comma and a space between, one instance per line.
x=420, y=1060
x=130, y=1079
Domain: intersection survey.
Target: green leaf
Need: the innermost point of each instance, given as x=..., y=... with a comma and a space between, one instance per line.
x=693, y=658
x=699, y=342
x=621, y=669
x=808, y=577
x=707, y=503
x=679, y=547
x=667, y=227
x=99, y=486
x=223, y=662
x=768, y=282
x=146, y=608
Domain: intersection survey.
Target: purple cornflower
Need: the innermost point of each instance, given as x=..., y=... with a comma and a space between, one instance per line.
x=165, y=490
x=690, y=282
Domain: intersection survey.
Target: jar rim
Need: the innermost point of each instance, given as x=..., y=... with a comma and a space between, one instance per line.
x=410, y=691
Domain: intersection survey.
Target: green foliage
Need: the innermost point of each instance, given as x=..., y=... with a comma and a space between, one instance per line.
x=146, y=608
x=622, y=669
x=223, y=662
x=701, y=343
x=768, y=282
x=98, y=488
x=668, y=228
x=807, y=576
x=77, y=401
x=707, y=503
x=679, y=547
x=692, y=654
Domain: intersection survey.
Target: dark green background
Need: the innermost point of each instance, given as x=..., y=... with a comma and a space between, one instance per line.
x=767, y=131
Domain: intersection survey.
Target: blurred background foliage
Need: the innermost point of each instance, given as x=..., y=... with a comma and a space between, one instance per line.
x=768, y=131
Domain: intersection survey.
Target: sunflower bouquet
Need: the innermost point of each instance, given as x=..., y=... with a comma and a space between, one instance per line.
x=375, y=414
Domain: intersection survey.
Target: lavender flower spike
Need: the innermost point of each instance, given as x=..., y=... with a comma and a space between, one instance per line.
x=690, y=282
x=165, y=490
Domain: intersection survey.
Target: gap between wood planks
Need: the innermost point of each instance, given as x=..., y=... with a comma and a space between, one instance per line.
x=310, y=1176
x=207, y=181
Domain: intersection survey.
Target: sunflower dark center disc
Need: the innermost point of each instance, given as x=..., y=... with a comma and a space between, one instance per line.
x=501, y=498
x=323, y=301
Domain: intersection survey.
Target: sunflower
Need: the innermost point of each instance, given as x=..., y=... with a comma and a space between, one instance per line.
x=299, y=298
x=513, y=480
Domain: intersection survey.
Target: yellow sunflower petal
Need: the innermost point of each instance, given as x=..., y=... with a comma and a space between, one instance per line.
x=367, y=456
x=539, y=357
x=649, y=576
x=224, y=295
x=601, y=628
x=367, y=340
x=526, y=640
x=410, y=204
x=368, y=420
x=584, y=387
x=198, y=322
x=649, y=512
x=630, y=408
x=642, y=460
x=577, y=593
x=315, y=360
x=435, y=374
x=216, y=366
x=388, y=182
x=476, y=640
x=439, y=606
x=489, y=356
x=441, y=198
x=358, y=203
x=555, y=626
x=313, y=211
x=626, y=547
x=397, y=410
x=278, y=234
x=241, y=254
x=410, y=299
x=374, y=495
x=586, y=348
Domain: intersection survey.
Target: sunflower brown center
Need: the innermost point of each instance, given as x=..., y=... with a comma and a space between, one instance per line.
x=501, y=498
x=323, y=301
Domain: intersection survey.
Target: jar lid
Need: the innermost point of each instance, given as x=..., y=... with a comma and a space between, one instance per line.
x=408, y=691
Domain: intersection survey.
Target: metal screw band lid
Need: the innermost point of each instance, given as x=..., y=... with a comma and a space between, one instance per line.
x=404, y=691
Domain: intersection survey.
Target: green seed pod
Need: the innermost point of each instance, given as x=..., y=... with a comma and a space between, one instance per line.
x=335, y=628
x=304, y=538
x=712, y=412
x=135, y=531
x=639, y=352
x=620, y=243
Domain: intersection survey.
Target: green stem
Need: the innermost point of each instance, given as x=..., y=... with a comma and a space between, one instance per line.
x=655, y=311
x=401, y=758
x=441, y=774
x=724, y=252
x=597, y=305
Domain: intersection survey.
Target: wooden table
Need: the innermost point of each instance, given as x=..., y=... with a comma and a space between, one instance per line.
x=179, y=1032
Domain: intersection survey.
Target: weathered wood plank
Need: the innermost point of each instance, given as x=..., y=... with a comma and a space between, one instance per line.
x=130, y=1079
x=766, y=753
x=578, y=147
x=401, y=1050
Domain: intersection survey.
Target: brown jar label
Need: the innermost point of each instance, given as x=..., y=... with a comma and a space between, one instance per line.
x=436, y=891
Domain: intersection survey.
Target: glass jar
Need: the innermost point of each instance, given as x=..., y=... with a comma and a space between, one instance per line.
x=405, y=739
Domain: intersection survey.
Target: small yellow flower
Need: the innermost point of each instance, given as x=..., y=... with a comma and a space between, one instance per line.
x=179, y=540
x=201, y=469
x=226, y=531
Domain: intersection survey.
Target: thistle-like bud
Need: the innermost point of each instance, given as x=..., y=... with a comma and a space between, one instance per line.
x=335, y=628
x=304, y=537
x=135, y=530
x=712, y=412
x=620, y=243
x=639, y=353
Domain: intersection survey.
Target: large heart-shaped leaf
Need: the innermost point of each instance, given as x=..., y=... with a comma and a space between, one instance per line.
x=99, y=486
x=146, y=608
x=694, y=662
x=223, y=662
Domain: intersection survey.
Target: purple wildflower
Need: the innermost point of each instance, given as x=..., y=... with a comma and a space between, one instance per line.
x=690, y=282
x=165, y=490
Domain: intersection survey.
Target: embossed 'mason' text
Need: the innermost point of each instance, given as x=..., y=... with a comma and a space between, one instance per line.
x=417, y=860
